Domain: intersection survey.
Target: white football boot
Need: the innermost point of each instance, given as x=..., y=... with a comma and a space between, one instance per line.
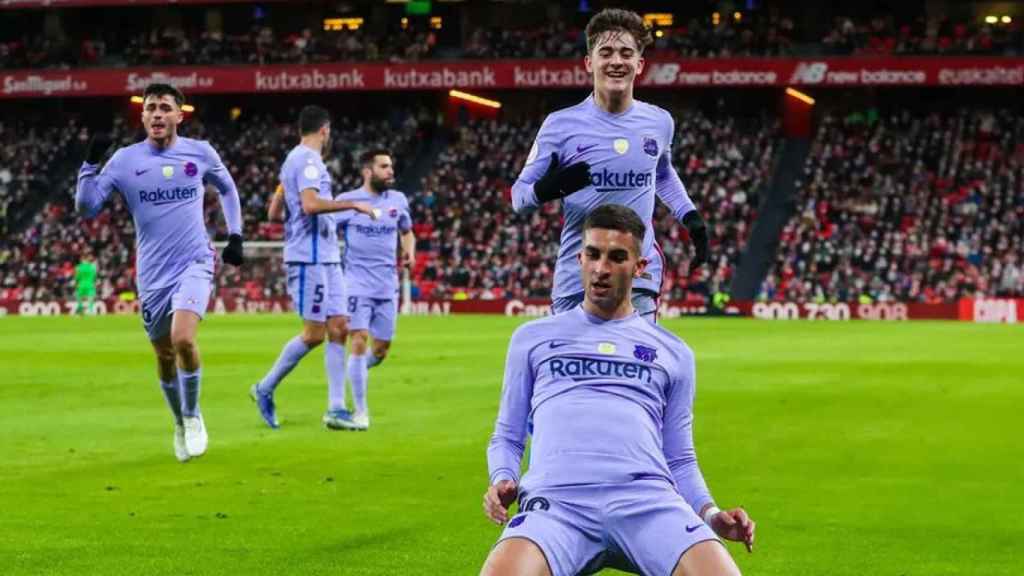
x=195, y=436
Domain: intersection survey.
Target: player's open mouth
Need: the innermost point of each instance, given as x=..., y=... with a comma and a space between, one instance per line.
x=600, y=288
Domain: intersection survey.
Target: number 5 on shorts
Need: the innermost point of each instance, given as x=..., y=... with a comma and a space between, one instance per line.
x=318, y=294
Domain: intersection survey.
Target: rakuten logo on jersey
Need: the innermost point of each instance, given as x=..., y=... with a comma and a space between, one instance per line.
x=375, y=230
x=582, y=369
x=162, y=196
x=607, y=181
x=138, y=82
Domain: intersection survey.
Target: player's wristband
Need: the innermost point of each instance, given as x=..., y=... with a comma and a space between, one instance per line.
x=711, y=513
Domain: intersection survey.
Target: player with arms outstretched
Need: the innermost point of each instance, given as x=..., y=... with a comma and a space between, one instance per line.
x=313, y=258
x=610, y=148
x=608, y=397
x=371, y=275
x=162, y=182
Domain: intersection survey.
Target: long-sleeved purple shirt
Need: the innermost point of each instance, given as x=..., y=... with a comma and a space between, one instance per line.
x=606, y=402
x=164, y=191
x=630, y=157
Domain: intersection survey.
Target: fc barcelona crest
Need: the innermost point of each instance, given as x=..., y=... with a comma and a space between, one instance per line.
x=650, y=146
x=645, y=353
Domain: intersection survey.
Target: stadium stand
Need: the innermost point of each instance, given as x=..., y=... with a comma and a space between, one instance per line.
x=40, y=265
x=900, y=206
x=938, y=35
x=907, y=206
x=725, y=162
x=475, y=247
x=263, y=42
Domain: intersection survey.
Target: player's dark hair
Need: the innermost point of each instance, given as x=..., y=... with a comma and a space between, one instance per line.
x=617, y=217
x=159, y=90
x=366, y=158
x=312, y=118
x=617, y=19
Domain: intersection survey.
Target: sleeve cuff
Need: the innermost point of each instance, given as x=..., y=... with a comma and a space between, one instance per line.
x=503, y=474
x=532, y=196
x=526, y=198
x=682, y=213
x=698, y=506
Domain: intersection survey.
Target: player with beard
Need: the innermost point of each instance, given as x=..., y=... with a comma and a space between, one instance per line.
x=371, y=274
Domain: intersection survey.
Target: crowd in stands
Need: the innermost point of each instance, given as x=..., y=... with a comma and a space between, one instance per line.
x=261, y=45
x=471, y=244
x=907, y=206
x=555, y=40
x=899, y=206
x=937, y=36
x=730, y=38
x=725, y=162
x=27, y=151
x=755, y=34
x=474, y=246
x=39, y=265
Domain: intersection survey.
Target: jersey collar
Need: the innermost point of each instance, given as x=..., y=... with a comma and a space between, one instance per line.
x=598, y=111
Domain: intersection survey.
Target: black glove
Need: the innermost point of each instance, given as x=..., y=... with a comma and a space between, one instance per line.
x=698, y=237
x=558, y=183
x=232, y=253
x=98, y=147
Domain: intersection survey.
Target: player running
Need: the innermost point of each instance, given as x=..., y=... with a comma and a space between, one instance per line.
x=162, y=181
x=313, y=259
x=371, y=276
x=609, y=148
x=608, y=398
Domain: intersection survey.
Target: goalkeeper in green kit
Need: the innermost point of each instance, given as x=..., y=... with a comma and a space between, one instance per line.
x=85, y=283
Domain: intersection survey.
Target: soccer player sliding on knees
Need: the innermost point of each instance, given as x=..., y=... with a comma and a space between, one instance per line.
x=609, y=149
x=613, y=479
x=162, y=180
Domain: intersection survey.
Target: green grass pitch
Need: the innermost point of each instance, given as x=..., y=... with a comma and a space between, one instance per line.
x=859, y=448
